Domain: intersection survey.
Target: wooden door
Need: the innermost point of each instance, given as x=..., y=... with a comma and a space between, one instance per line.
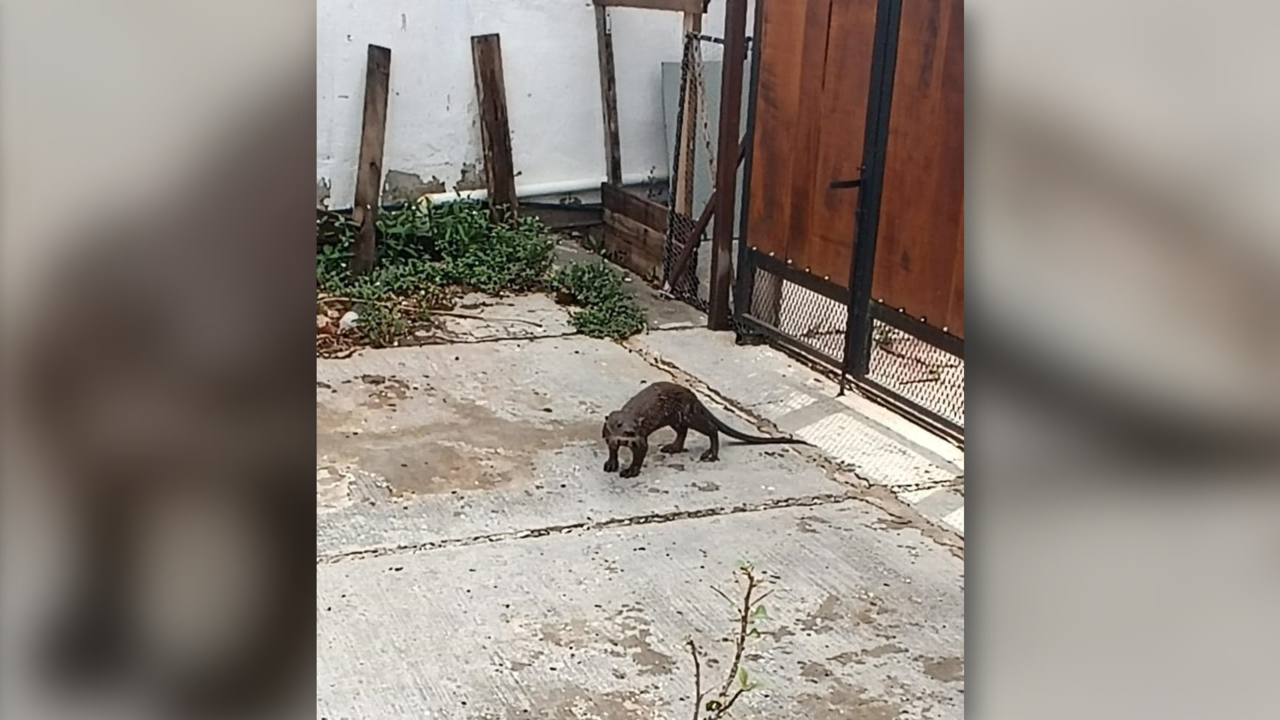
x=810, y=119
x=919, y=259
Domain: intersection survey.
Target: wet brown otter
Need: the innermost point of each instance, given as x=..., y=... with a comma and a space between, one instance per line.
x=664, y=404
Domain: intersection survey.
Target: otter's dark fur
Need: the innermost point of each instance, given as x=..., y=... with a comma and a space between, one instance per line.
x=664, y=404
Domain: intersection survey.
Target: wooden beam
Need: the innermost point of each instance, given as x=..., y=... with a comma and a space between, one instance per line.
x=373, y=133
x=640, y=209
x=735, y=53
x=685, y=172
x=495, y=131
x=608, y=97
x=686, y=6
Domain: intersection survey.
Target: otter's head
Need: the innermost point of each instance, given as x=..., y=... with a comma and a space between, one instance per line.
x=621, y=427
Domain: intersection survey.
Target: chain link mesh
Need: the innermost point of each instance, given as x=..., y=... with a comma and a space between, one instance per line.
x=931, y=377
x=918, y=371
x=799, y=313
x=684, y=210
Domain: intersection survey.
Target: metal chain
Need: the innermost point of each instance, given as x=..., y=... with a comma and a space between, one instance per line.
x=706, y=117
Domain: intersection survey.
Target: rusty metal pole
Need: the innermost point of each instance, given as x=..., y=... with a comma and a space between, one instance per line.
x=735, y=54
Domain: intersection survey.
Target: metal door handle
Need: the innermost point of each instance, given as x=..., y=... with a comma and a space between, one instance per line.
x=846, y=184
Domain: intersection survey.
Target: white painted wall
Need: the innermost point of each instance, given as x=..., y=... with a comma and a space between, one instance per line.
x=552, y=79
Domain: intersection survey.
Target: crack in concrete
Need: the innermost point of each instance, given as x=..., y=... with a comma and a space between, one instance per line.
x=486, y=341
x=528, y=338
x=946, y=484
x=587, y=526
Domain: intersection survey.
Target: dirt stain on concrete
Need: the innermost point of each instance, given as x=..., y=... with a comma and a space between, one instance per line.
x=333, y=489
x=340, y=485
x=574, y=702
x=780, y=633
x=566, y=634
x=643, y=654
x=634, y=640
x=835, y=610
x=823, y=619
x=944, y=669
x=806, y=524
x=842, y=701
x=845, y=658
x=448, y=444
x=886, y=649
x=384, y=392
x=814, y=671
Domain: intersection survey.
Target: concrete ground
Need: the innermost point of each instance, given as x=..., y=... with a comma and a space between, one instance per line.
x=474, y=561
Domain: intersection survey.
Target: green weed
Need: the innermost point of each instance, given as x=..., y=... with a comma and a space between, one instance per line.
x=425, y=251
x=607, y=312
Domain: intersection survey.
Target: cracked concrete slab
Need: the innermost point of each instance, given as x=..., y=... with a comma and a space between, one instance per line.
x=865, y=622
x=483, y=318
x=419, y=445
x=475, y=562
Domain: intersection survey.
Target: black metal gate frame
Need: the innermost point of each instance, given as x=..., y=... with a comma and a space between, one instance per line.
x=863, y=310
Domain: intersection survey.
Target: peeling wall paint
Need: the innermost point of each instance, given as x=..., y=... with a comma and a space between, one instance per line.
x=553, y=89
x=402, y=186
x=471, y=178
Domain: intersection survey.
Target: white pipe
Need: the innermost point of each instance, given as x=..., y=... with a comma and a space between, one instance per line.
x=560, y=187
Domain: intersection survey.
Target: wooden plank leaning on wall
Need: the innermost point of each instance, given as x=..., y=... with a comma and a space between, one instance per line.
x=495, y=130
x=373, y=133
x=608, y=96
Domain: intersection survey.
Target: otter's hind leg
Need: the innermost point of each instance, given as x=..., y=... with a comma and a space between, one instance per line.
x=699, y=421
x=677, y=446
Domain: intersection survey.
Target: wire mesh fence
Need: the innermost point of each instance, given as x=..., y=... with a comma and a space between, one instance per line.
x=686, y=268
x=804, y=316
x=918, y=371
x=680, y=274
x=817, y=325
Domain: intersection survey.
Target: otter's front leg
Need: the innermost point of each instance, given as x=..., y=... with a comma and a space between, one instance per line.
x=638, y=451
x=611, y=465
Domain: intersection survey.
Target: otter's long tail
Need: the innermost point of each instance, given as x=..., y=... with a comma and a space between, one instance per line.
x=749, y=439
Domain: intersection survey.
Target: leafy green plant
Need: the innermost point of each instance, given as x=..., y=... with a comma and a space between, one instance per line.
x=404, y=234
x=504, y=258
x=423, y=250
x=608, y=312
x=587, y=283
x=331, y=267
x=380, y=325
x=616, y=318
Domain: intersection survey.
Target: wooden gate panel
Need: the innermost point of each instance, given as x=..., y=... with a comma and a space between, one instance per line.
x=807, y=131
x=827, y=249
x=787, y=124
x=785, y=29
x=919, y=249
